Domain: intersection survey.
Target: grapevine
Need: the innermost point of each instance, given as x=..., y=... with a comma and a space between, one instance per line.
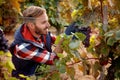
x=3, y=42
x=6, y=65
x=91, y=51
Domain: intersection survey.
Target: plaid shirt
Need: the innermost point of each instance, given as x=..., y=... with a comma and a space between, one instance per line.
x=28, y=51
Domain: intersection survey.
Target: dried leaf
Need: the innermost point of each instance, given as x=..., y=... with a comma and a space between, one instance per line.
x=71, y=72
x=81, y=68
x=16, y=4
x=110, y=3
x=89, y=4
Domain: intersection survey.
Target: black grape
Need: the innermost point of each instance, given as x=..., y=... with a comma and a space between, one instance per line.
x=75, y=28
x=3, y=42
x=86, y=31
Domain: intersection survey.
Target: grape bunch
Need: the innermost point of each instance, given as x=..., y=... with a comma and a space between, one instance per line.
x=75, y=28
x=3, y=42
x=86, y=31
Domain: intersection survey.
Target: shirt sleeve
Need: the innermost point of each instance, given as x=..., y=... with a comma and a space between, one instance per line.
x=28, y=51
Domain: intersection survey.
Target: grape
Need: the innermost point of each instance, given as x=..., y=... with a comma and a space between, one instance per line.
x=3, y=42
x=75, y=28
x=86, y=31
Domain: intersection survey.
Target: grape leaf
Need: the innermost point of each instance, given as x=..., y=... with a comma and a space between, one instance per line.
x=60, y=55
x=80, y=36
x=110, y=33
x=74, y=44
x=76, y=59
x=62, y=69
x=1, y=52
x=8, y=54
x=111, y=41
x=57, y=39
x=54, y=76
x=105, y=50
x=76, y=53
x=10, y=65
x=118, y=35
x=70, y=71
x=23, y=76
x=81, y=68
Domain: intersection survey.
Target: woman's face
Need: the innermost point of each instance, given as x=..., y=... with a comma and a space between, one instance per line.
x=41, y=24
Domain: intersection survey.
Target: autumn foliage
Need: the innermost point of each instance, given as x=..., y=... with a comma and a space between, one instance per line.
x=9, y=14
x=101, y=59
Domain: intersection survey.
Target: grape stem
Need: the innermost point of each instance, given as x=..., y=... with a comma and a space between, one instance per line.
x=81, y=61
x=50, y=74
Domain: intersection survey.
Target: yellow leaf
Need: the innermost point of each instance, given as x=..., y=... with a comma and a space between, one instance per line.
x=71, y=72
x=74, y=13
x=83, y=55
x=21, y=0
x=1, y=52
x=10, y=64
x=81, y=68
x=23, y=76
x=96, y=74
x=76, y=59
x=89, y=4
x=113, y=20
x=111, y=3
x=92, y=39
x=16, y=4
x=8, y=54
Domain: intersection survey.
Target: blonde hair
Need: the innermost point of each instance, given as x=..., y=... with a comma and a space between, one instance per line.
x=32, y=12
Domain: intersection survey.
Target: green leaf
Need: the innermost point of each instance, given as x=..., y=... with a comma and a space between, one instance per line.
x=97, y=66
x=52, y=20
x=80, y=36
x=105, y=50
x=10, y=65
x=62, y=69
x=57, y=39
x=108, y=34
x=117, y=35
x=117, y=74
x=54, y=76
x=111, y=41
x=74, y=44
x=76, y=53
x=60, y=55
x=118, y=50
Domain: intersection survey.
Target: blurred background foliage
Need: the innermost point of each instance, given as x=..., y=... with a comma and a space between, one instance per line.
x=64, y=12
